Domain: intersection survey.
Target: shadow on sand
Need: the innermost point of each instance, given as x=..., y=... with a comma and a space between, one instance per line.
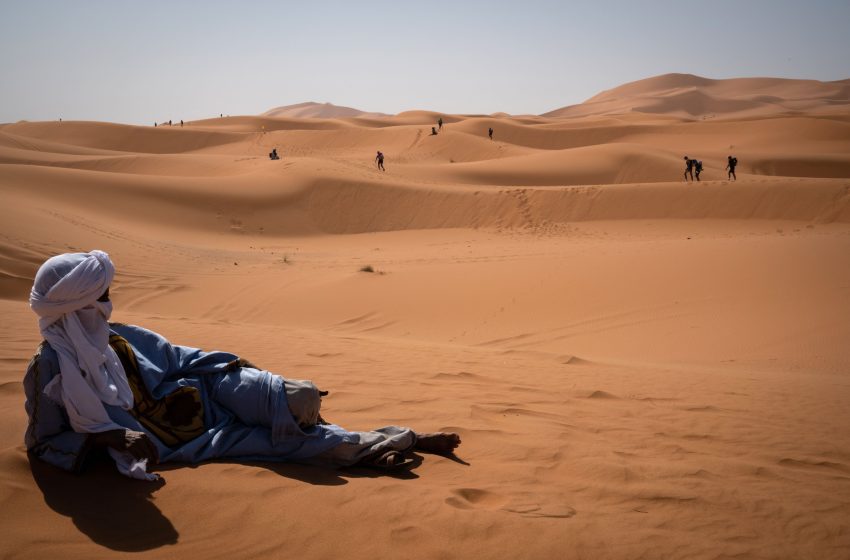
x=119, y=513
x=112, y=510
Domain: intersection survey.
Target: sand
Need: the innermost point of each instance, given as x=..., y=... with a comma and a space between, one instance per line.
x=638, y=367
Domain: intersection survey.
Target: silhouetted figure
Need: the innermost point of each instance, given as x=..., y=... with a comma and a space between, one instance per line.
x=181, y=123
x=440, y=123
x=490, y=132
x=169, y=122
x=433, y=131
x=697, y=168
x=733, y=162
x=380, y=160
x=689, y=168
x=273, y=154
x=154, y=124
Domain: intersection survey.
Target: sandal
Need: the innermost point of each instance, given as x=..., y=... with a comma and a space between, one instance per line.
x=388, y=461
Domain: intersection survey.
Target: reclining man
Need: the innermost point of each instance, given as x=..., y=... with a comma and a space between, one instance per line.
x=127, y=389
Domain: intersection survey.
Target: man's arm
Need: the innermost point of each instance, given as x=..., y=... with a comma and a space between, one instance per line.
x=49, y=435
x=159, y=359
x=137, y=444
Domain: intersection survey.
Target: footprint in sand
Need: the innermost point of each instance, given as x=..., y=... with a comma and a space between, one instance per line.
x=525, y=505
x=475, y=498
x=602, y=395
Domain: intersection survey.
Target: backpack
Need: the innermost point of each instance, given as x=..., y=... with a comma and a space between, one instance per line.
x=699, y=166
x=734, y=161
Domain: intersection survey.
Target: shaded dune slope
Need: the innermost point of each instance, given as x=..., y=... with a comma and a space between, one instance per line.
x=335, y=204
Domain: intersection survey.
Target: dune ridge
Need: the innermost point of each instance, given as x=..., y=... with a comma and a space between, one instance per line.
x=692, y=96
x=311, y=109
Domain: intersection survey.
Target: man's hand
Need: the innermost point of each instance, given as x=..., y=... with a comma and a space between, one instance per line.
x=137, y=444
x=238, y=363
x=140, y=446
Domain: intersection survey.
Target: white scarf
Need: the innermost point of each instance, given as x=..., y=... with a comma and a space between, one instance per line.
x=64, y=296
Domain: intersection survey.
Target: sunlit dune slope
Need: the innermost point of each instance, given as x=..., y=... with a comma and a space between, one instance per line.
x=691, y=96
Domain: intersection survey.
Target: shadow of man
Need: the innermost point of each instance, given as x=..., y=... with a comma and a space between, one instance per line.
x=112, y=510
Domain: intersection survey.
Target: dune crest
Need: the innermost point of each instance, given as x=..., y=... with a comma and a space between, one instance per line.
x=312, y=110
x=686, y=95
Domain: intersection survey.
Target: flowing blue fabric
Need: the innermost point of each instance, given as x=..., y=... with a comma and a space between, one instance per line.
x=246, y=416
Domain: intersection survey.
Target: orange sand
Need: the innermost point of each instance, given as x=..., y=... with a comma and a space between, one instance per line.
x=638, y=367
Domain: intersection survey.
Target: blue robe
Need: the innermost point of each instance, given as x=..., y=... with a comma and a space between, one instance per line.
x=246, y=416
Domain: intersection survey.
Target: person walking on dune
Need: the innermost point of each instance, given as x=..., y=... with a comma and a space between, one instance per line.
x=689, y=168
x=732, y=163
x=440, y=124
x=490, y=132
x=379, y=159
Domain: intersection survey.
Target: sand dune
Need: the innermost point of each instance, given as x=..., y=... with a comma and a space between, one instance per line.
x=638, y=366
x=692, y=96
x=317, y=110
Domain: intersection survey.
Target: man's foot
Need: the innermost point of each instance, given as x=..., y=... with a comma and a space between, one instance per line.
x=439, y=443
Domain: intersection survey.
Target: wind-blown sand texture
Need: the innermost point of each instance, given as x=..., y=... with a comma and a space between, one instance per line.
x=638, y=367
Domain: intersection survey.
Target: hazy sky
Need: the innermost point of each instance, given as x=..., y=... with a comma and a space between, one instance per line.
x=137, y=62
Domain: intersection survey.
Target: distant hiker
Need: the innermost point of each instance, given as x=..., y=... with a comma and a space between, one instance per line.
x=433, y=131
x=169, y=122
x=273, y=154
x=689, y=168
x=380, y=159
x=440, y=123
x=490, y=132
x=181, y=123
x=733, y=161
x=154, y=124
x=697, y=168
x=221, y=115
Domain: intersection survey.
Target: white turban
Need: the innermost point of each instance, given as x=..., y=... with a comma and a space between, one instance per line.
x=65, y=297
